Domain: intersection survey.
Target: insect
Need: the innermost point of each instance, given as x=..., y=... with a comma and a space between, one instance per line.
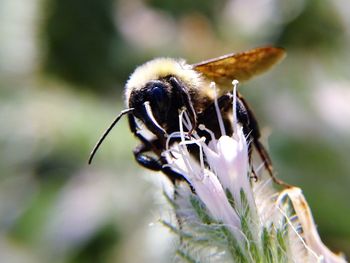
x=157, y=90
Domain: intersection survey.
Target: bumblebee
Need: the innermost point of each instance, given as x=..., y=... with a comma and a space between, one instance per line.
x=157, y=90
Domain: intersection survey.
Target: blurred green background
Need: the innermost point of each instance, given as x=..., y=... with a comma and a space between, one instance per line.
x=63, y=65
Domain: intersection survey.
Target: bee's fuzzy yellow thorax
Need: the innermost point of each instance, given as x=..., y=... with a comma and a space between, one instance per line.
x=158, y=68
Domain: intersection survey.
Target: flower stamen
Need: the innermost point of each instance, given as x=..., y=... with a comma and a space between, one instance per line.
x=234, y=105
x=218, y=113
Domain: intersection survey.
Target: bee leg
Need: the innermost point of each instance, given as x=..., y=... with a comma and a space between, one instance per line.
x=154, y=164
x=152, y=146
x=244, y=119
x=254, y=175
x=268, y=164
x=254, y=133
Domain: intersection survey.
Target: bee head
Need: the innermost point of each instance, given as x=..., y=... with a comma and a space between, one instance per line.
x=156, y=95
x=157, y=90
x=158, y=103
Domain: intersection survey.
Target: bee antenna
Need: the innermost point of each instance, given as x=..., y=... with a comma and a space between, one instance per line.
x=104, y=135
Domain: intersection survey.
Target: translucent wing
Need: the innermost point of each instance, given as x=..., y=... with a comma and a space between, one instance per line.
x=240, y=66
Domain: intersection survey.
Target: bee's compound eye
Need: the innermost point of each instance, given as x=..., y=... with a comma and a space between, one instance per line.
x=159, y=94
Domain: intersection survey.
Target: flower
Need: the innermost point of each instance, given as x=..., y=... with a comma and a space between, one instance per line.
x=225, y=216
